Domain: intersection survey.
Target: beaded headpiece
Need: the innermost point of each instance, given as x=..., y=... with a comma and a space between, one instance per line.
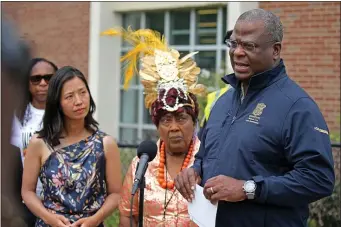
x=161, y=67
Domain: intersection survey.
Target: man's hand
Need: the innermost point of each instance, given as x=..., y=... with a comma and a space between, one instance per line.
x=224, y=188
x=185, y=182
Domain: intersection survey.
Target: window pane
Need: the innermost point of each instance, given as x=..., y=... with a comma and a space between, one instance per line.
x=179, y=27
x=135, y=79
x=183, y=53
x=223, y=64
x=224, y=24
x=132, y=20
x=129, y=103
x=206, y=26
x=128, y=135
x=147, y=119
x=177, y=38
x=223, y=70
x=156, y=21
x=206, y=60
x=148, y=134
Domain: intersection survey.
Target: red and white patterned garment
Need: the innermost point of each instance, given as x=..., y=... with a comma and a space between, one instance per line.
x=176, y=213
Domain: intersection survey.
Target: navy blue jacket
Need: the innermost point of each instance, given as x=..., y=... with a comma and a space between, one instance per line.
x=278, y=137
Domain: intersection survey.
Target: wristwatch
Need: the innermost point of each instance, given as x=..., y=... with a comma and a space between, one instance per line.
x=249, y=188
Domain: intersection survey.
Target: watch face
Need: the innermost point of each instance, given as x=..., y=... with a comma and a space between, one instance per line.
x=250, y=186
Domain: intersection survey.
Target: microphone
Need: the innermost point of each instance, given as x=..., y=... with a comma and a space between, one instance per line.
x=146, y=152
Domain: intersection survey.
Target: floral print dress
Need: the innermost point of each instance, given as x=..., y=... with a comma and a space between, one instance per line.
x=73, y=179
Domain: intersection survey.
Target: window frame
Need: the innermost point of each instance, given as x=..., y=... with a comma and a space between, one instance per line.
x=218, y=48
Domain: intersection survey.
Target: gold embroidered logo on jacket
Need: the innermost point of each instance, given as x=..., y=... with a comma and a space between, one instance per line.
x=256, y=113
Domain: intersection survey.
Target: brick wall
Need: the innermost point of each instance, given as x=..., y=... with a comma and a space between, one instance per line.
x=337, y=163
x=58, y=31
x=312, y=51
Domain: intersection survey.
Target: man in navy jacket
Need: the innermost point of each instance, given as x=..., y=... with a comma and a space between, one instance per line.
x=265, y=151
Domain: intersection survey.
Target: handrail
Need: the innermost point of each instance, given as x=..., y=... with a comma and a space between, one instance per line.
x=336, y=145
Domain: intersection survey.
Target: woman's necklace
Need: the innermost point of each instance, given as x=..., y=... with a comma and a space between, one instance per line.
x=164, y=183
x=162, y=169
x=165, y=205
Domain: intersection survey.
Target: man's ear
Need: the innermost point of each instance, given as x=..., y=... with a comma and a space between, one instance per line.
x=277, y=47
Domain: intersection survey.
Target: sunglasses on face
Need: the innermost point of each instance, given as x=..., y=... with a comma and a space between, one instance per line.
x=36, y=79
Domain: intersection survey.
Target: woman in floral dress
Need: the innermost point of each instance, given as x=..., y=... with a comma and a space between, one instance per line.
x=78, y=165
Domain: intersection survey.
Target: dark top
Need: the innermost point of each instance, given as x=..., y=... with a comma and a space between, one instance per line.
x=278, y=137
x=73, y=179
x=13, y=210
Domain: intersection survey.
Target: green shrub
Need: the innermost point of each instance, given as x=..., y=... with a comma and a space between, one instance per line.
x=326, y=212
x=113, y=220
x=127, y=154
x=213, y=83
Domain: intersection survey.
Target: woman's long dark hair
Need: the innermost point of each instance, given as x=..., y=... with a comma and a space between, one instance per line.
x=53, y=120
x=21, y=110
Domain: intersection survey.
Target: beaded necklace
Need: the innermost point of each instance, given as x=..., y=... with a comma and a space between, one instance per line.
x=163, y=181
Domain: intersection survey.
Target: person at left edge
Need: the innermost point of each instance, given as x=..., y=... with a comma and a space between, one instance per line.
x=15, y=59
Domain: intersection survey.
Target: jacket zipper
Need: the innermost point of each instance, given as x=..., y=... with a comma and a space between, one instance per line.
x=223, y=139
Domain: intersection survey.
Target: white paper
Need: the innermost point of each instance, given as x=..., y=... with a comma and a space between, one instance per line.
x=201, y=210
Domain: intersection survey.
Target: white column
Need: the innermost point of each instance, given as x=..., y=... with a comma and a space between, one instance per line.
x=104, y=66
x=234, y=10
x=94, y=51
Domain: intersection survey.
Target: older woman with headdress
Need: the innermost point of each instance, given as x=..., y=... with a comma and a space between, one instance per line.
x=170, y=89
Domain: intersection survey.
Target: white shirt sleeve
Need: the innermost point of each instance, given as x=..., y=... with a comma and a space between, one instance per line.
x=16, y=138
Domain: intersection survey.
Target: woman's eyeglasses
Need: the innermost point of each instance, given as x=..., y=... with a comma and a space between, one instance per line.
x=36, y=79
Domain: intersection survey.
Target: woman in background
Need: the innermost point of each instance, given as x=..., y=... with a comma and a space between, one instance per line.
x=28, y=117
x=79, y=165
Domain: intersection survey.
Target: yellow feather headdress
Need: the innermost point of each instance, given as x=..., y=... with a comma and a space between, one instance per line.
x=161, y=67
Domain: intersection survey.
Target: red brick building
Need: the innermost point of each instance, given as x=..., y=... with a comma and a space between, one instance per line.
x=68, y=34
x=57, y=30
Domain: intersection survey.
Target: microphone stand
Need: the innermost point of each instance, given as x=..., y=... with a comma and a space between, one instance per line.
x=141, y=201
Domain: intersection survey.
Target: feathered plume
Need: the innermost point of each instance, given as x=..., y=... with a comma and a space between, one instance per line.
x=144, y=41
x=159, y=65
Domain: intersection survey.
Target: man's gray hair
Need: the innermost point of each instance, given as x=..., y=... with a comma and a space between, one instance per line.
x=272, y=23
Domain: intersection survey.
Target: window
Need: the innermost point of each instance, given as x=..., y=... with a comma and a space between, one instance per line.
x=187, y=30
